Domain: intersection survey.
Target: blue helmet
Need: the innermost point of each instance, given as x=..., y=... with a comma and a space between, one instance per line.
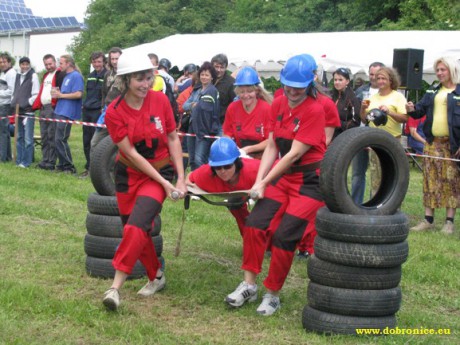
x=247, y=76
x=223, y=151
x=312, y=60
x=298, y=71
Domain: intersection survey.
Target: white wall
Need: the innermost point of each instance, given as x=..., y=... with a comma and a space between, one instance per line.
x=17, y=45
x=56, y=44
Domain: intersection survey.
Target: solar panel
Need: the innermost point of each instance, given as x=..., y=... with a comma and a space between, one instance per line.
x=40, y=22
x=73, y=21
x=15, y=15
x=30, y=23
x=65, y=21
x=56, y=22
x=48, y=22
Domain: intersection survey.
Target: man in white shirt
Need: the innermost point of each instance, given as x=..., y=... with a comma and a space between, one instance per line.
x=52, y=79
x=7, y=80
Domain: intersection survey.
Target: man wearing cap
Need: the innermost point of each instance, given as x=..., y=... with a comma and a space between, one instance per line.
x=185, y=80
x=25, y=92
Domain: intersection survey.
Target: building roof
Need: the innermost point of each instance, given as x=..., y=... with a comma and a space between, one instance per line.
x=15, y=17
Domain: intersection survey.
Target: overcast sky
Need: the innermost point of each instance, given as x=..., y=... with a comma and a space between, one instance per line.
x=58, y=8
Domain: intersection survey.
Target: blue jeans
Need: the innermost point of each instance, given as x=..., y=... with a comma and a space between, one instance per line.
x=5, y=139
x=358, y=183
x=25, y=141
x=198, y=151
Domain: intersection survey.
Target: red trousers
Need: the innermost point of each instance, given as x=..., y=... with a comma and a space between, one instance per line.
x=286, y=212
x=139, y=200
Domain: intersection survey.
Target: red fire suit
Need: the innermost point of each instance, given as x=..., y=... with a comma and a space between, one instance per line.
x=139, y=197
x=247, y=128
x=206, y=180
x=289, y=206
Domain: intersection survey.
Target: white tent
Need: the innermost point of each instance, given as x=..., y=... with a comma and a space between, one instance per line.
x=268, y=52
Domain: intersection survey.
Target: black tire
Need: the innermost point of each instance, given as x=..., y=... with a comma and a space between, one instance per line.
x=111, y=226
x=103, y=205
x=105, y=247
x=353, y=302
x=322, y=322
x=362, y=229
x=361, y=255
x=348, y=277
x=338, y=157
x=102, y=268
x=102, y=167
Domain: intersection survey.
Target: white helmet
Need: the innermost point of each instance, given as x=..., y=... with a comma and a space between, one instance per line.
x=131, y=61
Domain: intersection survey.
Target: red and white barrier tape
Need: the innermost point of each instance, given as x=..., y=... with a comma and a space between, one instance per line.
x=100, y=125
x=194, y=135
x=434, y=157
x=62, y=121
x=182, y=134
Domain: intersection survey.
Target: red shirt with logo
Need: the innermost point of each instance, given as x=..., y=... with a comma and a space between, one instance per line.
x=152, y=124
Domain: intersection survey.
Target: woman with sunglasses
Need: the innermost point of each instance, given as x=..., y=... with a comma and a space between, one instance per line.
x=226, y=172
x=346, y=101
x=247, y=119
x=141, y=123
x=287, y=187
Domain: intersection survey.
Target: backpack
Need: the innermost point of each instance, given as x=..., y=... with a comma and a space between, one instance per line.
x=169, y=92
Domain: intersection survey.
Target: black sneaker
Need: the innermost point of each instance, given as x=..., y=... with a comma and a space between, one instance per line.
x=303, y=255
x=44, y=167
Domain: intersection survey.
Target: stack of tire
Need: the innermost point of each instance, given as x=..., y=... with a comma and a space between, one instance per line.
x=356, y=269
x=103, y=222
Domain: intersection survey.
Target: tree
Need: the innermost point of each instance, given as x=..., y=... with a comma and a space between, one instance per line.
x=127, y=23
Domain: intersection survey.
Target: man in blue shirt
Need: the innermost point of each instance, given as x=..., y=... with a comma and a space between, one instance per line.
x=68, y=107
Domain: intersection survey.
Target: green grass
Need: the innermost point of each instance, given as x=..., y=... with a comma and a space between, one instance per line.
x=47, y=297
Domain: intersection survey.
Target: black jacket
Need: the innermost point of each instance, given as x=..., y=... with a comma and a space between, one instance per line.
x=94, y=83
x=226, y=94
x=426, y=107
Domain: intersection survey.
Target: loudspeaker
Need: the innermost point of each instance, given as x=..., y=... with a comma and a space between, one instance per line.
x=409, y=64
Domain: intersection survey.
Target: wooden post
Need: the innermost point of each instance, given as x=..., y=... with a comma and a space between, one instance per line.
x=16, y=120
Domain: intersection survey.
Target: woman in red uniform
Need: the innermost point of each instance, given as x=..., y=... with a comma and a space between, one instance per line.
x=247, y=119
x=288, y=190
x=141, y=124
x=226, y=172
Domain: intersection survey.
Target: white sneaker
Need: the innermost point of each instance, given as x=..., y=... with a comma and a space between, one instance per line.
x=152, y=287
x=242, y=294
x=111, y=299
x=196, y=198
x=269, y=305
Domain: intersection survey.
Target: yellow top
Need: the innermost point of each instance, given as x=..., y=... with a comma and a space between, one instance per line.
x=396, y=103
x=440, y=126
x=158, y=83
